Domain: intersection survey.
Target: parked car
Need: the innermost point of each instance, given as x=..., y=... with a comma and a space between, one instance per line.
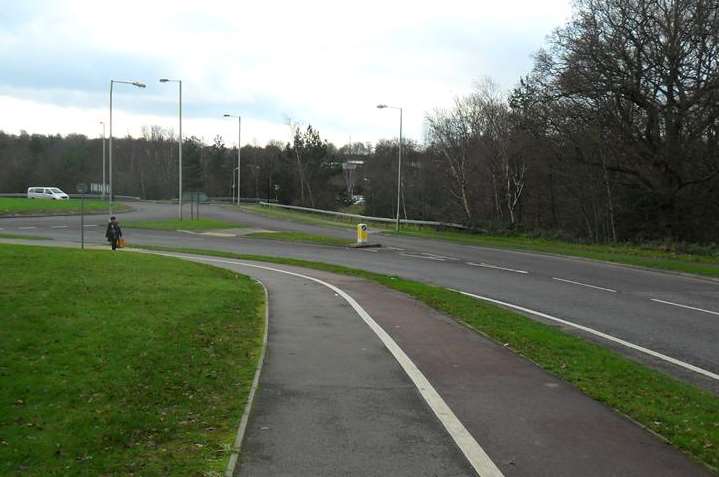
x=52, y=193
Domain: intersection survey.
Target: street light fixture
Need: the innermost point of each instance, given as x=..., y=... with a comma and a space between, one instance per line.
x=399, y=161
x=104, y=181
x=112, y=82
x=165, y=80
x=239, y=146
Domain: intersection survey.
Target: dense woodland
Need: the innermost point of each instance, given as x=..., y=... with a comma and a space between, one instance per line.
x=611, y=137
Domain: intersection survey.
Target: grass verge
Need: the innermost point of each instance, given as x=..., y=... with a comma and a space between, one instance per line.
x=684, y=415
x=23, y=237
x=625, y=254
x=176, y=224
x=22, y=206
x=301, y=237
x=121, y=364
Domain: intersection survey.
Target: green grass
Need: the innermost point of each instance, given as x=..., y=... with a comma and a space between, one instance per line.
x=122, y=363
x=626, y=254
x=176, y=224
x=22, y=206
x=684, y=415
x=300, y=217
x=301, y=237
x=23, y=237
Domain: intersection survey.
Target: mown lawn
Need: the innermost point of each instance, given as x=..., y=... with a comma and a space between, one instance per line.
x=686, y=416
x=120, y=363
x=22, y=206
x=301, y=237
x=176, y=224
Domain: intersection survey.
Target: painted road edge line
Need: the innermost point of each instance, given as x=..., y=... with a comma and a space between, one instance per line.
x=620, y=341
x=584, y=284
x=685, y=306
x=234, y=456
x=468, y=445
x=486, y=265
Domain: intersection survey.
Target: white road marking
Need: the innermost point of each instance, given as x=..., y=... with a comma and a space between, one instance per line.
x=396, y=248
x=584, y=284
x=471, y=449
x=685, y=306
x=486, y=265
x=90, y=225
x=373, y=250
x=26, y=228
x=422, y=256
x=439, y=256
x=620, y=341
x=59, y=227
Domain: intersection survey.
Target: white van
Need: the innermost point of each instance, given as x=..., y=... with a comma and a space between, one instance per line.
x=52, y=193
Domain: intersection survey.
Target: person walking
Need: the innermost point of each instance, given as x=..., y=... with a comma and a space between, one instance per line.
x=114, y=232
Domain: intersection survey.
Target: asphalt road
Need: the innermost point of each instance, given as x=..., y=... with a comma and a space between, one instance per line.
x=676, y=316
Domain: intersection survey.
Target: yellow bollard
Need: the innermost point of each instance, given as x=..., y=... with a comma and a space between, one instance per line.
x=361, y=233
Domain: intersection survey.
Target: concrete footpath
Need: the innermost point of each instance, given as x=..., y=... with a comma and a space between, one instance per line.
x=333, y=401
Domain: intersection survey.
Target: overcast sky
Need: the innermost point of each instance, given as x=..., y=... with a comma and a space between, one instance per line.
x=328, y=63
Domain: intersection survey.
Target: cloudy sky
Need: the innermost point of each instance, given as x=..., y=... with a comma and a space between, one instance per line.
x=327, y=63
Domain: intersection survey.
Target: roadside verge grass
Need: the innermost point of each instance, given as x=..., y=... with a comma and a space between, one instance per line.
x=21, y=206
x=122, y=364
x=23, y=237
x=301, y=237
x=625, y=254
x=684, y=415
x=176, y=224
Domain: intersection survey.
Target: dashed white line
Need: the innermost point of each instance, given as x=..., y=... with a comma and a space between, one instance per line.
x=90, y=225
x=428, y=254
x=438, y=259
x=486, y=265
x=373, y=250
x=685, y=306
x=584, y=284
x=59, y=227
x=26, y=228
x=620, y=341
x=396, y=248
x=469, y=446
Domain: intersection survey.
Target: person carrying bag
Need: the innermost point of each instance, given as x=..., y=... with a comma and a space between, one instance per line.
x=114, y=234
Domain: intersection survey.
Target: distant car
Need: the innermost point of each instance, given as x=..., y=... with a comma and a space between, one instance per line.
x=52, y=193
x=358, y=199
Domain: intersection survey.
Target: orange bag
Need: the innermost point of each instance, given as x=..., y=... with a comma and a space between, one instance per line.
x=121, y=243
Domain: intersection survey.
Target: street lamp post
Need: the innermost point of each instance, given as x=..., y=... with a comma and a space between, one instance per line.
x=399, y=161
x=112, y=82
x=239, y=146
x=165, y=80
x=104, y=181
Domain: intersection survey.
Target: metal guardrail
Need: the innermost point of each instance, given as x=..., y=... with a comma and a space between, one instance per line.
x=366, y=217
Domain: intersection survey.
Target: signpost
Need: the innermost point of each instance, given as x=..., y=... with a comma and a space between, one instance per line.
x=82, y=189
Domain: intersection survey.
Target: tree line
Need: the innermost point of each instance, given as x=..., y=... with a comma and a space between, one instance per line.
x=612, y=136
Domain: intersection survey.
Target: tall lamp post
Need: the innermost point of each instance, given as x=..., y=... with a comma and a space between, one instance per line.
x=399, y=161
x=104, y=181
x=239, y=146
x=165, y=80
x=112, y=82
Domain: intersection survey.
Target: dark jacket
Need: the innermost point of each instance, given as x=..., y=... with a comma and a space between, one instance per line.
x=113, y=231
